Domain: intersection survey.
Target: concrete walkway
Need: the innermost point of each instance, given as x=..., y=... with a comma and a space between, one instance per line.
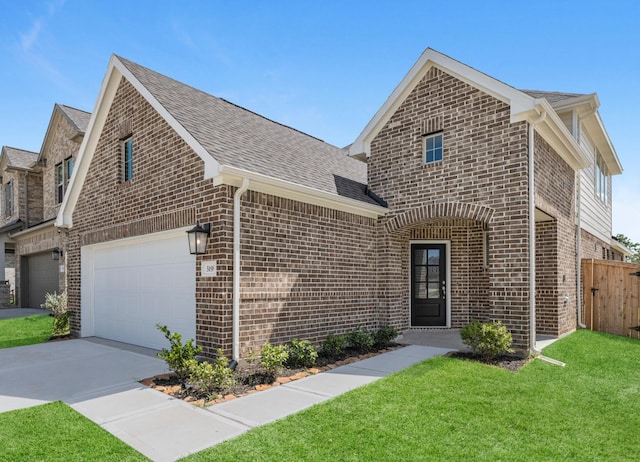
x=100, y=380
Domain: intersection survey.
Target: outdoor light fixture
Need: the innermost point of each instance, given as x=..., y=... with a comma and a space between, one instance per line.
x=198, y=238
x=56, y=253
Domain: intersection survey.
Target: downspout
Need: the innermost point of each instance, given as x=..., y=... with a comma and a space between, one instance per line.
x=532, y=236
x=236, y=268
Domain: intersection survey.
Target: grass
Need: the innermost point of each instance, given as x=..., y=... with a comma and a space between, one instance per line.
x=450, y=409
x=55, y=432
x=25, y=331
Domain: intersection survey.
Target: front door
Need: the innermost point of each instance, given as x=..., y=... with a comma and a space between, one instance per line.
x=428, y=285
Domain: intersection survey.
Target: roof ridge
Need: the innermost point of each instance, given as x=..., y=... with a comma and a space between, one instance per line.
x=74, y=108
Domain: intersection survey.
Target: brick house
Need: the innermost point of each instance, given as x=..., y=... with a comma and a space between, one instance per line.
x=426, y=220
x=33, y=189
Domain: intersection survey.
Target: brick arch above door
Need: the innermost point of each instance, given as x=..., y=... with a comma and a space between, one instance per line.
x=427, y=212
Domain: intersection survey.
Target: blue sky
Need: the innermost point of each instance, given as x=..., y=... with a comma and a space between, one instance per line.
x=323, y=67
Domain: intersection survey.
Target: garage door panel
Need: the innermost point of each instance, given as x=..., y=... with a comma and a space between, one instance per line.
x=140, y=284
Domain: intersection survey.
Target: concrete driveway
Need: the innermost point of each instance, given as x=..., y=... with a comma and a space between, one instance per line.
x=99, y=379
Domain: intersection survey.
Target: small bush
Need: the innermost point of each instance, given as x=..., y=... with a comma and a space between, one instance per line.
x=57, y=304
x=179, y=356
x=301, y=353
x=487, y=340
x=360, y=340
x=334, y=345
x=384, y=336
x=273, y=357
x=211, y=378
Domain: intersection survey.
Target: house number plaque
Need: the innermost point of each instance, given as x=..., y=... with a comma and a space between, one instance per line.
x=208, y=268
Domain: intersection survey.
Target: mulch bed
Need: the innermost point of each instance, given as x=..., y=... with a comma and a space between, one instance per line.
x=508, y=362
x=251, y=378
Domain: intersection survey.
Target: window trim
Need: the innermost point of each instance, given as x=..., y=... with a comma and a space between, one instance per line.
x=127, y=159
x=429, y=136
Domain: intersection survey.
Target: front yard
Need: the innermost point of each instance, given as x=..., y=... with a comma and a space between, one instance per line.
x=25, y=331
x=449, y=409
x=441, y=409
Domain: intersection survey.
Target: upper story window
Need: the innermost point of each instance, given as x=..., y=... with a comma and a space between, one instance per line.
x=7, y=194
x=63, y=175
x=127, y=150
x=433, y=148
x=602, y=179
x=59, y=182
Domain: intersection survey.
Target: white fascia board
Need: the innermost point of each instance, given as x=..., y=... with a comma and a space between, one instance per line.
x=98, y=117
x=261, y=183
x=518, y=101
x=554, y=131
x=620, y=247
x=598, y=133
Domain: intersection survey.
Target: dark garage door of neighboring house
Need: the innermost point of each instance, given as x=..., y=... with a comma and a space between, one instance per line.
x=39, y=275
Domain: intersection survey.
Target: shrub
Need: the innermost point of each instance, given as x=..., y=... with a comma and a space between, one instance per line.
x=360, y=340
x=273, y=357
x=211, y=378
x=178, y=357
x=301, y=353
x=334, y=345
x=384, y=336
x=57, y=304
x=487, y=340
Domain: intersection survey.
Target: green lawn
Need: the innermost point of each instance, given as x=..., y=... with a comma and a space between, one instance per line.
x=55, y=432
x=25, y=331
x=448, y=409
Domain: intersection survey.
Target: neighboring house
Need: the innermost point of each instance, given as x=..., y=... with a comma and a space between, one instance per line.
x=457, y=201
x=38, y=190
x=17, y=178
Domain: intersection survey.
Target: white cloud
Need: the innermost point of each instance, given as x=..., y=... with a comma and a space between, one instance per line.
x=626, y=211
x=29, y=39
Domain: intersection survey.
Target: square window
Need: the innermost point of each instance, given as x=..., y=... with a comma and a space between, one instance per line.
x=433, y=148
x=128, y=159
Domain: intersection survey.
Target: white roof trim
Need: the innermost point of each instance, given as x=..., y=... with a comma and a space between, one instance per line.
x=281, y=188
x=517, y=100
x=620, y=247
x=523, y=107
x=115, y=71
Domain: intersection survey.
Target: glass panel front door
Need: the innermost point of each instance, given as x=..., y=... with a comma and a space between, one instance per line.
x=428, y=285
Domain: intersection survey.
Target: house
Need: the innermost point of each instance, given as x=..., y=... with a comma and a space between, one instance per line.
x=458, y=200
x=33, y=188
x=17, y=177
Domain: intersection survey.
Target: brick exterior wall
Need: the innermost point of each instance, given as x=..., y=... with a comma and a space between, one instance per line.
x=555, y=243
x=14, y=176
x=593, y=247
x=484, y=164
x=306, y=271
x=60, y=146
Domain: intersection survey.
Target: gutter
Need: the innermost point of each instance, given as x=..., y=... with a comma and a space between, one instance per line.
x=236, y=269
x=532, y=235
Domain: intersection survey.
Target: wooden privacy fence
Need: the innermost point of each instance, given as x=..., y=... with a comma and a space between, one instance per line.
x=611, y=297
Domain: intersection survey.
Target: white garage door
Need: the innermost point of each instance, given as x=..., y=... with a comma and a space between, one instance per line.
x=129, y=286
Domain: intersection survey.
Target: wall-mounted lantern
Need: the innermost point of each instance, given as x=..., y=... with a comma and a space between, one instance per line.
x=56, y=254
x=198, y=238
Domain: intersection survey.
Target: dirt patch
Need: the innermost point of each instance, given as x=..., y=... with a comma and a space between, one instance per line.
x=509, y=362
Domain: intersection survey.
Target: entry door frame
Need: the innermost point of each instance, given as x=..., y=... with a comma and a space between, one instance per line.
x=447, y=246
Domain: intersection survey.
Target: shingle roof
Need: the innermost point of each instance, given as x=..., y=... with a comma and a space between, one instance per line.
x=551, y=96
x=19, y=157
x=239, y=138
x=79, y=118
